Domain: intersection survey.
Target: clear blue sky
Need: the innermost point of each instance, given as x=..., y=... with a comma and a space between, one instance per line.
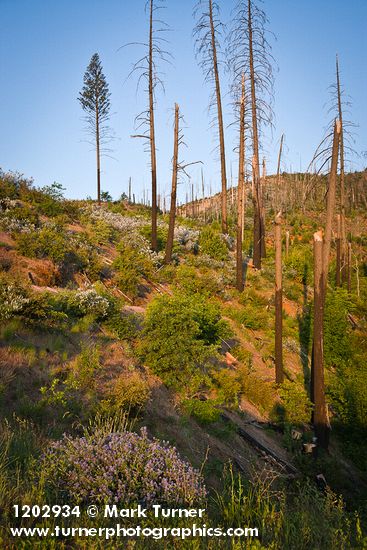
x=46, y=45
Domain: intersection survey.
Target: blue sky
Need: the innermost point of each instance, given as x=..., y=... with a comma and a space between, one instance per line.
x=45, y=47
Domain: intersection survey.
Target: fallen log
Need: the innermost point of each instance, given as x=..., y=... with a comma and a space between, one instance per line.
x=287, y=466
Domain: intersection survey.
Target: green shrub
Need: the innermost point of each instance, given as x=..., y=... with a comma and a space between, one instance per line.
x=180, y=335
x=211, y=244
x=337, y=329
x=102, y=232
x=130, y=265
x=296, y=406
x=162, y=232
x=48, y=242
x=204, y=412
x=83, y=369
x=229, y=386
x=299, y=262
x=129, y=392
x=253, y=318
x=124, y=325
x=190, y=280
x=256, y=390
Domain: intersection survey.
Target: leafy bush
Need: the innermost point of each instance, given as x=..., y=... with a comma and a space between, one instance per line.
x=210, y=243
x=256, y=390
x=84, y=368
x=47, y=242
x=162, y=232
x=297, y=407
x=124, y=325
x=129, y=392
x=190, y=280
x=229, y=386
x=337, y=329
x=299, y=262
x=49, y=199
x=131, y=265
x=13, y=185
x=204, y=412
x=143, y=471
x=180, y=335
x=103, y=233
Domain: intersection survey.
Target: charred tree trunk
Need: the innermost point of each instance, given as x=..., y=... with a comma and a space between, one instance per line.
x=320, y=414
x=278, y=206
x=286, y=244
x=279, y=374
x=241, y=183
x=220, y=121
x=255, y=143
x=349, y=268
x=152, y=133
x=343, y=241
x=338, y=253
x=172, y=214
x=321, y=268
x=331, y=197
x=262, y=219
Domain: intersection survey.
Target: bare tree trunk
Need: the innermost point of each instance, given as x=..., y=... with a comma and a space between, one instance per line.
x=279, y=374
x=331, y=196
x=172, y=214
x=338, y=253
x=220, y=122
x=243, y=202
x=262, y=219
x=129, y=190
x=320, y=414
x=255, y=141
x=98, y=156
x=321, y=268
x=343, y=241
x=241, y=183
x=286, y=244
x=278, y=206
x=349, y=269
x=152, y=134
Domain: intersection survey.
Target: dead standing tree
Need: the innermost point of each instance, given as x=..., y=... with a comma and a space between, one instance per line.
x=172, y=213
x=147, y=67
x=206, y=32
x=277, y=195
x=177, y=167
x=342, y=242
x=279, y=374
x=322, y=248
x=249, y=52
x=240, y=189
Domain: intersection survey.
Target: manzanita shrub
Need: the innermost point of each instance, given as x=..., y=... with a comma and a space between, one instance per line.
x=121, y=467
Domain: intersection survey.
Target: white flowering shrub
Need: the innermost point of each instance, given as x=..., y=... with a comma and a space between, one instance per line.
x=188, y=238
x=85, y=302
x=128, y=228
x=13, y=299
x=16, y=217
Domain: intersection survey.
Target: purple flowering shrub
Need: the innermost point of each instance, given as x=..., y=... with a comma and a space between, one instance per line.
x=122, y=467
